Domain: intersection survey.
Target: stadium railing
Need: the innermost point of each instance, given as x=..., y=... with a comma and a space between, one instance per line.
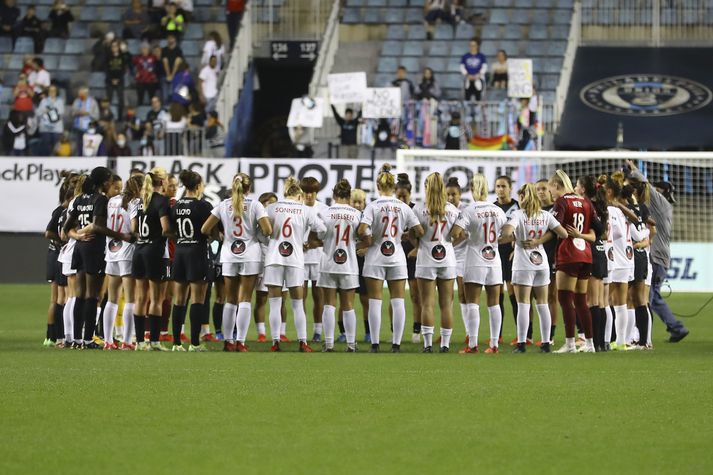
x=573, y=40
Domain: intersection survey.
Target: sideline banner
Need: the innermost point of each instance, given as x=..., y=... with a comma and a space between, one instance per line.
x=29, y=189
x=691, y=267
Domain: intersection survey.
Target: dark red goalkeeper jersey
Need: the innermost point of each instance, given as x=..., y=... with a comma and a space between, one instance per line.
x=577, y=212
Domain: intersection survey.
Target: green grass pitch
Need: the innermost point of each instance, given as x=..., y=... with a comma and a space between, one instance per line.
x=65, y=411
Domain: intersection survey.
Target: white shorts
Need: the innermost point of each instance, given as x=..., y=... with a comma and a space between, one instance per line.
x=67, y=269
x=483, y=275
x=233, y=269
x=531, y=278
x=260, y=284
x=118, y=268
x=621, y=276
x=278, y=275
x=386, y=273
x=338, y=281
x=460, y=268
x=312, y=273
x=433, y=273
x=649, y=273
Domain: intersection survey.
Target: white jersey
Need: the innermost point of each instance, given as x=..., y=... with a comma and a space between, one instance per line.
x=527, y=229
x=461, y=249
x=291, y=220
x=119, y=219
x=240, y=233
x=483, y=221
x=388, y=218
x=67, y=251
x=339, y=238
x=435, y=248
x=621, y=250
x=314, y=256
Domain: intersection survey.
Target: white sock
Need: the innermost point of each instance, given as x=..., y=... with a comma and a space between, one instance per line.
x=205, y=329
x=496, y=319
x=298, y=311
x=318, y=328
x=99, y=312
x=446, y=337
x=68, y=320
x=622, y=317
x=464, y=316
x=275, y=318
x=350, y=323
x=261, y=328
x=283, y=325
x=608, y=325
x=427, y=333
x=328, y=318
x=127, y=317
x=398, y=306
x=243, y=320
x=569, y=342
x=631, y=329
x=375, y=320
x=543, y=311
x=229, y=311
x=110, y=311
x=523, y=321
x=473, y=312
x=651, y=324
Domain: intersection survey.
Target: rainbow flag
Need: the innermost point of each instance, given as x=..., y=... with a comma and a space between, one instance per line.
x=500, y=142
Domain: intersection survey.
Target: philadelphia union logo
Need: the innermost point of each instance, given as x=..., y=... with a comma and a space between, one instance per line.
x=645, y=95
x=340, y=256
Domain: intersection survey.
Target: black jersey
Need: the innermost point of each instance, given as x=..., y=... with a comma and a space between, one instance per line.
x=187, y=218
x=505, y=250
x=86, y=209
x=642, y=212
x=551, y=245
x=54, y=226
x=149, y=220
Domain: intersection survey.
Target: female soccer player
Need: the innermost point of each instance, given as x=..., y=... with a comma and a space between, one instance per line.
x=574, y=258
x=383, y=224
x=166, y=286
x=53, y=272
x=284, y=261
x=483, y=221
x=546, y=202
x=403, y=193
x=242, y=218
x=358, y=202
x=503, y=192
x=530, y=268
x=118, y=256
x=150, y=220
x=436, y=260
x=75, y=287
x=190, y=260
x=643, y=197
x=339, y=270
x=460, y=248
x=86, y=222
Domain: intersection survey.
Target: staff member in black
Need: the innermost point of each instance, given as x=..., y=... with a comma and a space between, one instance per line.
x=190, y=261
x=85, y=221
x=150, y=220
x=348, y=126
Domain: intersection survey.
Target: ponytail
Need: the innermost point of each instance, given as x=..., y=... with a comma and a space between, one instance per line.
x=435, y=197
x=132, y=190
x=530, y=203
x=561, y=180
x=152, y=179
x=241, y=187
x=292, y=187
x=479, y=187
x=96, y=180
x=385, y=181
x=342, y=190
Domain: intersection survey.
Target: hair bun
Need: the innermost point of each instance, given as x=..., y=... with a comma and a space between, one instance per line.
x=453, y=181
x=403, y=178
x=386, y=168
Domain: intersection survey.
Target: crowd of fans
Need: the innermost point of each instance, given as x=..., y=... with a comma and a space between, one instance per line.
x=182, y=98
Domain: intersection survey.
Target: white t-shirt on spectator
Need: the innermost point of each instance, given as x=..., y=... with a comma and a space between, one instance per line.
x=210, y=48
x=209, y=76
x=176, y=127
x=39, y=80
x=90, y=144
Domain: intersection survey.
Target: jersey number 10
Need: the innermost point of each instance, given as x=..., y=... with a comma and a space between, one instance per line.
x=185, y=228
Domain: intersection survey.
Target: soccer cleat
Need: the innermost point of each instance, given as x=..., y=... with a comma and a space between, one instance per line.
x=566, y=348
x=127, y=347
x=60, y=344
x=229, y=347
x=241, y=348
x=342, y=338
x=219, y=336
x=157, y=346
x=395, y=348
x=545, y=348
x=317, y=338
x=143, y=346
x=110, y=346
x=261, y=338
x=586, y=349
x=513, y=342
x=305, y=348
x=328, y=349
x=165, y=337
x=92, y=345
x=468, y=349
x=520, y=348
x=493, y=350
x=612, y=346
x=275, y=347
x=416, y=338
x=196, y=349
x=444, y=349
x=606, y=347
x=580, y=341
x=374, y=348
x=208, y=337
x=283, y=338
x=467, y=340
x=47, y=343
x=77, y=345
x=178, y=348
x=367, y=338
x=351, y=349
x=428, y=349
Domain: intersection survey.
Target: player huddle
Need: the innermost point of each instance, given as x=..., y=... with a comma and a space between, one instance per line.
x=582, y=249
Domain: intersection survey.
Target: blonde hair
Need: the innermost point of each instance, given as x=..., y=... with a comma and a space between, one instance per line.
x=241, y=187
x=154, y=178
x=79, y=185
x=479, y=187
x=292, y=187
x=385, y=181
x=561, y=179
x=358, y=194
x=529, y=203
x=435, y=197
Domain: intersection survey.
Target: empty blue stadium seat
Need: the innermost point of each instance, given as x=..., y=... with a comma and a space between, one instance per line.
x=541, y=16
x=376, y=3
x=536, y=48
x=499, y=16
x=4, y=112
x=80, y=30
x=491, y=32
x=50, y=61
x=548, y=82
x=559, y=32
x=438, y=65
x=373, y=16
x=443, y=32
x=6, y=95
x=54, y=45
x=387, y=65
x=488, y=48
x=412, y=65
x=513, y=32
x=191, y=48
x=15, y=62
x=413, y=48
x=193, y=31
x=414, y=15
x=520, y=17
x=691, y=16
x=351, y=16
x=453, y=66
x=551, y=65
x=391, y=48
x=382, y=80
x=538, y=32
x=24, y=45
x=76, y=46
x=398, y=3
x=438, y=48
x=96, y=81
x=565, y=3
x=525, y=3
x=416, y=32
x=5, y=44
x=465, y=31
x=395, y=32
x=452, y=81
x=394, y=15
x=559, y=18
x=556, y=48
x=69, y=63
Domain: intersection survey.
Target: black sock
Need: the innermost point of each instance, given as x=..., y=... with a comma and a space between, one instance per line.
x=552, y=332
x=642, y=323
x=90, y=318
x=140, y=327
x=603, y=327
x=155, y=328
x=49, y=334
x=78, y=319
x=196, y=316
x=179, y=316
x=416, y=327
x=596, y=325
x=513, y=304
x=529, y=330
x=501, y=302
x=366, y=327
x=217, y=316
x=613, y=324
x=59, y=322
x=341, y=327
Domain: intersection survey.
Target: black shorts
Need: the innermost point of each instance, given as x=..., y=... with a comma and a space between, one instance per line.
x=148, y=262
x=51, y=265
x=641, y=266
x=599, y=261
x=88, y=257
x=362, y=282
x=411, y=268
x=167, y=269
x=505, y=262
x=190, y=264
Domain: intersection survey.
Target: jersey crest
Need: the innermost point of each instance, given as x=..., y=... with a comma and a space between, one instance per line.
x=438, y=252
x=340, y=256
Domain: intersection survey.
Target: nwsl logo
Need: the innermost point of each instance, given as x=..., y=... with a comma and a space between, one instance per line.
x=629, y=252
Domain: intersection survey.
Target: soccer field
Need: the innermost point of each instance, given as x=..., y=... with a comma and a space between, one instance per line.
x=63, y=411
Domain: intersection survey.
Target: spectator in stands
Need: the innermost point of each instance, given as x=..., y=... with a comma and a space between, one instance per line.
x=28, y=64
x=50, y=112
x=116, y=68
x=132, y=123
x=101, y=51
x=156, y=8
x=473, y=66
x=185, y=7
x=175, y=126
x=9, y=15
x=500, y=70
x=171, y=59
x=120, y=148
x=208, y=83
x=172, y=22
x=39, y=78
x=183, y=87
x=15, y=134
x=137, y=23
x=457, y=135
x=23, y=94
x=403, y=83
x=457, y=11
x=63, y=147
x=59, y=19
x=196, y=116
x=434, y=12
x=31, y=26
x=106, y=116
x=146, y=143
x=215, y=135
x=525, y=122
x=428, y=87
x=234, y=10
x=213, y=47
x=84, y=111
x=158, y=118
x=348, y=126
x=91, y=141
x=146, y=73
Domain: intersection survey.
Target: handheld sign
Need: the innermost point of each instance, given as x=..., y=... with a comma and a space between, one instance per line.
x=382, y=103
x=306, y=112
x=520, y=78
x=346, y=87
